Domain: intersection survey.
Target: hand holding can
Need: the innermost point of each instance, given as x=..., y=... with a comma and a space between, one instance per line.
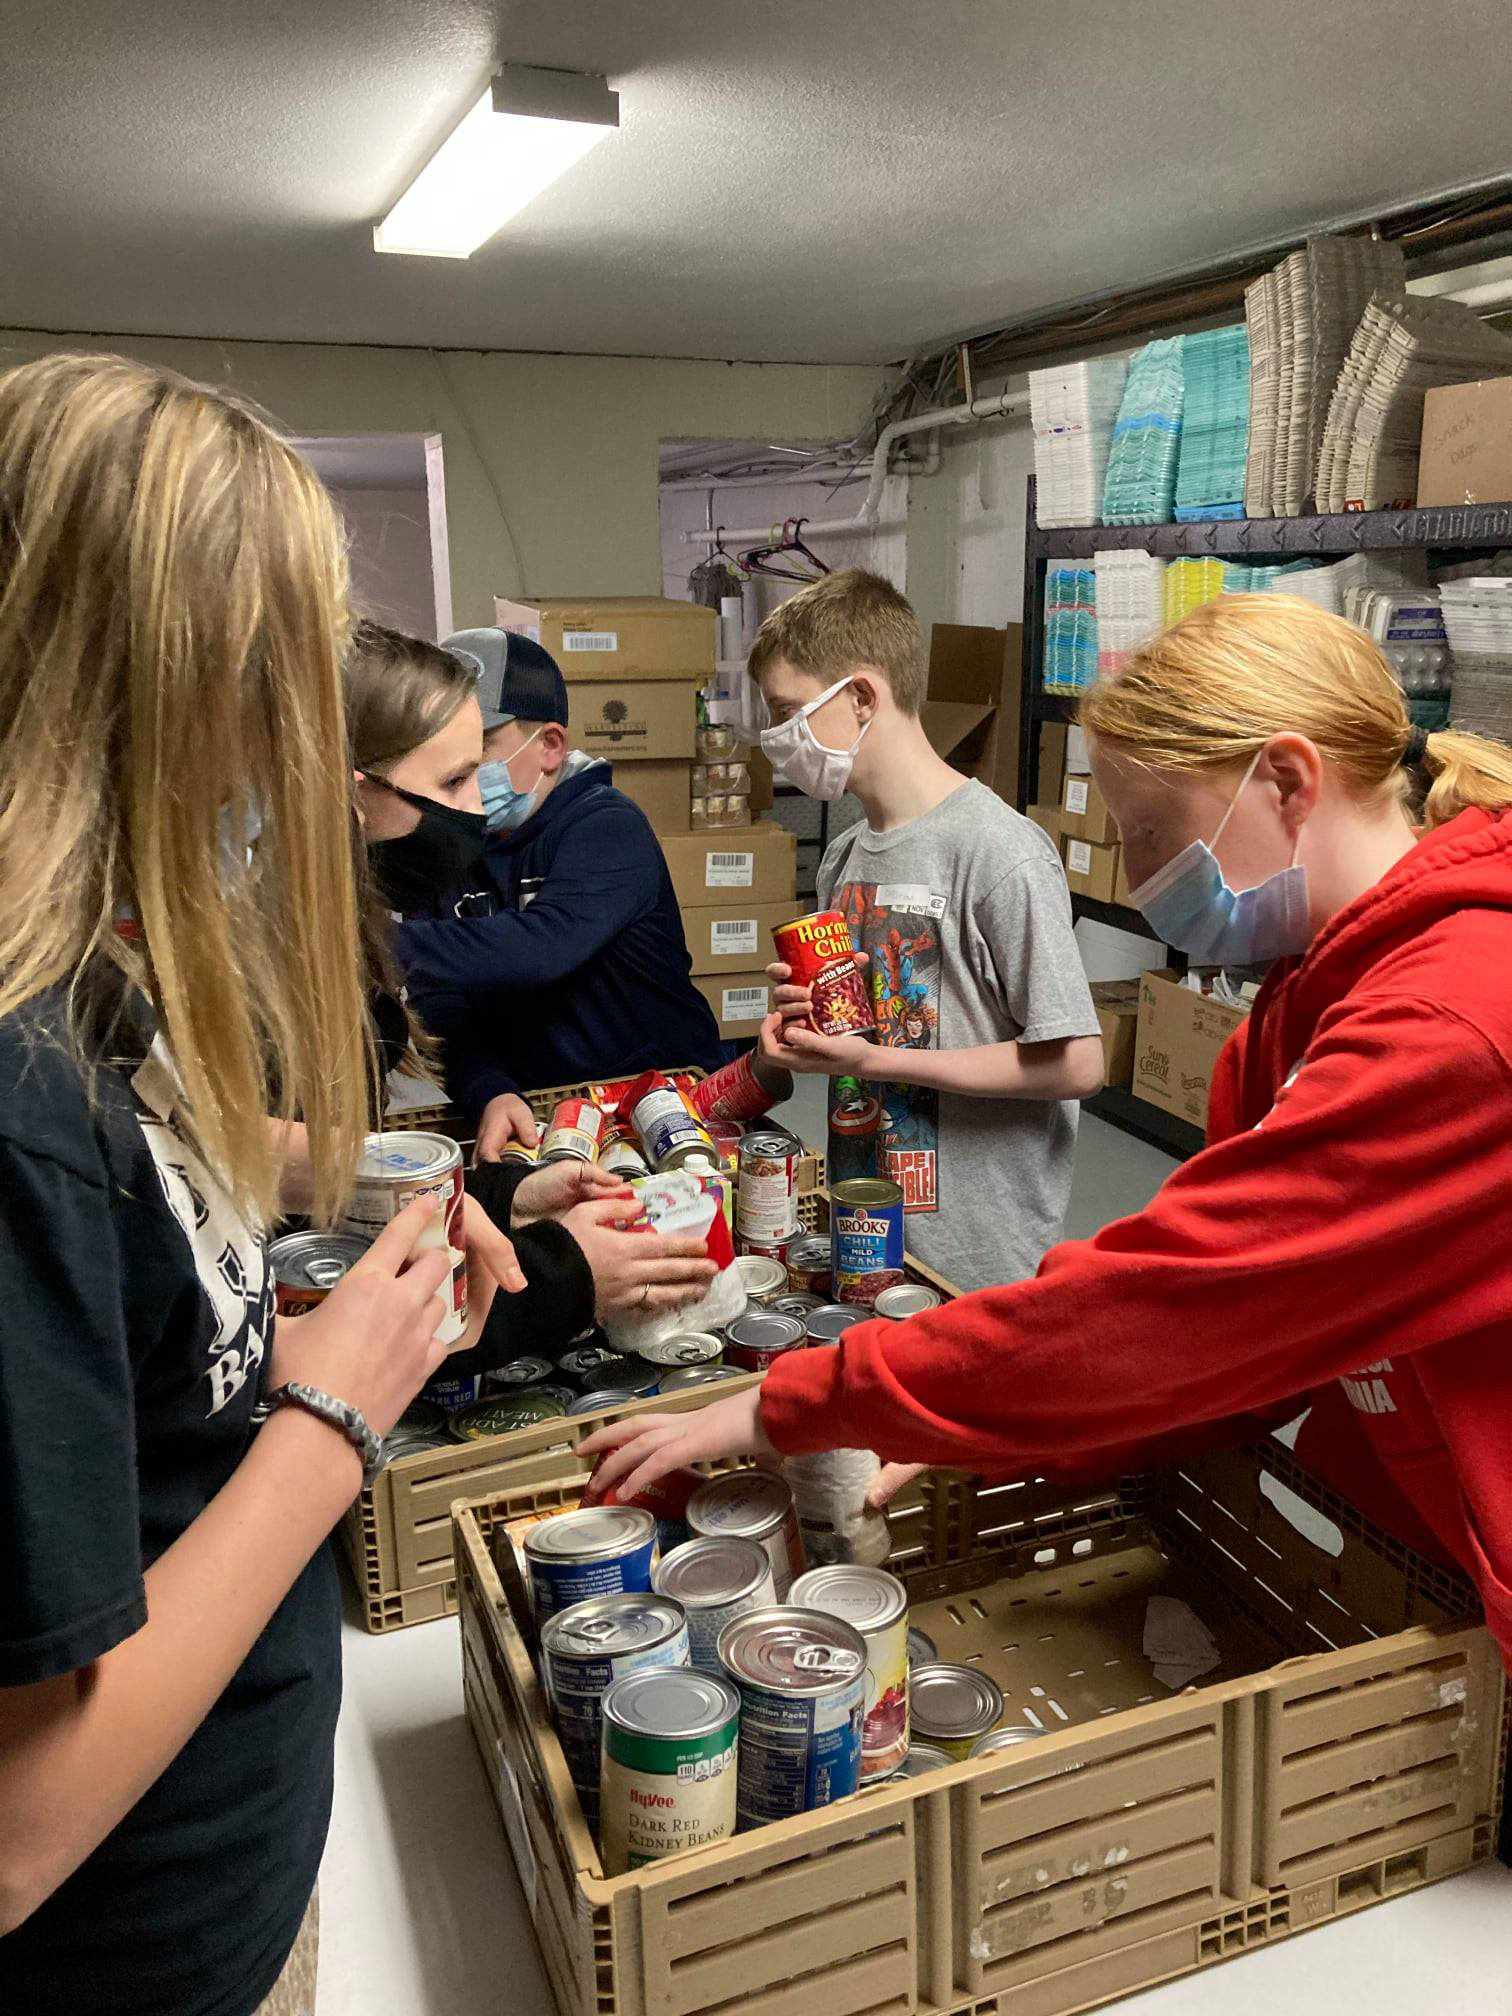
x=819, y=955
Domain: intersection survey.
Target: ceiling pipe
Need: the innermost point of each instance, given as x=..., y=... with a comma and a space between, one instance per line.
x=998, y=407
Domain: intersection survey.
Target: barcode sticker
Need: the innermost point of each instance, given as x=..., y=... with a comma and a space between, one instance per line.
x=590, y=640
x=1079, y=857
x=729, y=871
x=1076, y=794
x=744, y=1004
x=512, y=1808
x=732, y=934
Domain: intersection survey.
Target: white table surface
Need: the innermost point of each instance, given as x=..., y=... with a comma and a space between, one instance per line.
x=421, y=1913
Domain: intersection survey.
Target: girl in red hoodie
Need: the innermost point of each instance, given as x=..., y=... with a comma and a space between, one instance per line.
x=1343, y=1237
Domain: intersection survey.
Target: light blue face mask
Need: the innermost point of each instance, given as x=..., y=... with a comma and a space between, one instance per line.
x=503, y=805
x=1188, y=904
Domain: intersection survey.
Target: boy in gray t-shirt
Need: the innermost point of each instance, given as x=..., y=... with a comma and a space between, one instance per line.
x=985, y=1034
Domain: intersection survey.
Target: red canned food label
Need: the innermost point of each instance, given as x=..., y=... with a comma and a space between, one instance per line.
x=734, y=1094
x=577, y=1131
x=819, y=952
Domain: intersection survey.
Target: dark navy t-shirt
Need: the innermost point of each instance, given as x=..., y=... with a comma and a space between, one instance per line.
x=136, y=1314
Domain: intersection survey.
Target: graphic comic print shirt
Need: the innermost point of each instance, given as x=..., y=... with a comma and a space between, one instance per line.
x=966, y=919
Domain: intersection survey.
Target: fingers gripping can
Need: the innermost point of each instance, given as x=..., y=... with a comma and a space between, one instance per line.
x=306, y=1266
x=819, y=953
x=801, y=1677
x=394, y=1169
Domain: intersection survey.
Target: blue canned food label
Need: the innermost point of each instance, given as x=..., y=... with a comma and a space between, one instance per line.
x=577, y=1688
x=867, y=1251
x=797, y=1752
x=453, y=1393
x=557, y=1585
x=664, y=1123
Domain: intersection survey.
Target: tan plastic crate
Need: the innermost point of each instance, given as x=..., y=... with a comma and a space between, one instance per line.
x=1349, y=1747
x=397, y=1535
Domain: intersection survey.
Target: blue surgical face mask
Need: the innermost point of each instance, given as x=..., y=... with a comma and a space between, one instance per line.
x=503, y=805
x=1188, y=904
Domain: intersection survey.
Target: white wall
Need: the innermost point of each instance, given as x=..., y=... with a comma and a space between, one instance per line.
x=390, y=556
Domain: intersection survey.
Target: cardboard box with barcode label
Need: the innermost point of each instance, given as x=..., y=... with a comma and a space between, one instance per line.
x=747, y=865
x=617, y=637
x=1176, y=1044
x=1117, y=1005
x=661, y=790
x=741, y=1001
x=1091, y=870
x=1085, y=814
x=633, y=720
x=728, y=937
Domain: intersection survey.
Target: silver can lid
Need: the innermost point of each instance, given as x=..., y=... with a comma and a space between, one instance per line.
x=952, y=1703
x=812, y=1251
x=868, y=1598
x=769, y=1142
x=792, y=1651
x=601, y=1627
x=762, y=1276
x=315, y=1259
x=906, y=1298
x=923, y=1758
x=406, y=1154
x=827, y=1325
x=591, y=1532
x=698, y=1375
x=1007, y=1739
x=922, y=1650
x=685, y=1347
x=752, y=1503
x=716, y=1569
x=760, y=1330
x=797, y=1302
x=606, y=1396
x=671, y=1701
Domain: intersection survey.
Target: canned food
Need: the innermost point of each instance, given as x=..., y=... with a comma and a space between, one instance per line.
x=801, y=1677
x=819, y=953
x=715, y=742
x=855, y=1131
x=450, y=1395
x=606, y=1396
x=402, y=1441
x=763, y=1278
x=757, y=1506
x=766, y=1249
x=507, y=1411
x=808, y=1265
x=876, y=1604
x=909, y=1298
x=754, y=1342
x=667, y=1127
x=687, y=1201
x=716, y=1580
x=727, y=1138
x=801, y=1306
x=577, y=1132
x=599, y=1550
x=590, y=1365
x=392, y=1170
x=515, y=1150
x=829, y=1323
x=685, y=1347
x=866, y=1239
x=519, y=1372
x=670, y=1750
x=1007, y=1739
x=422, y=1417
x=307, y=1265
x=696, y=1375
x=733, y=1094
x=922, y=1650
x=584, y=1650
x=665, y=1498
x=766, y=1199
x=923, y=1758
x=624, y=1158
x=953, y=1706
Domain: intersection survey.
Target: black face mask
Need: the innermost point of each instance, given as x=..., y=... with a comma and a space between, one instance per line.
x=416, y=868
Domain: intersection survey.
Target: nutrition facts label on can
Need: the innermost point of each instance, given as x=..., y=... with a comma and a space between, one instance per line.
x=797, y=1753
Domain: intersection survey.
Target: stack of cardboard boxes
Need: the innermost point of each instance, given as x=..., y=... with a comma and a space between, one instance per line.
x=634, y=667
x=1071, y=809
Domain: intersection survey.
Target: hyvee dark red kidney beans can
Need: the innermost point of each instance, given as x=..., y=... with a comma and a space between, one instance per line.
x=820, y=955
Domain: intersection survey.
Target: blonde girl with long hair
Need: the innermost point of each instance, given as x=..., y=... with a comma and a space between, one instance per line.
x=179, y=979
x=1343, y=1235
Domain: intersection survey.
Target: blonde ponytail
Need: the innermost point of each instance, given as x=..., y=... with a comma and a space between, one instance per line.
x=1467, y=770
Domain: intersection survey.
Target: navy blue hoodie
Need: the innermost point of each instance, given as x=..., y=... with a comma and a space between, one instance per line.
x=564, y=960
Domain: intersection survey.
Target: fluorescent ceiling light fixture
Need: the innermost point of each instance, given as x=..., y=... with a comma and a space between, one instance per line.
x=528, y=128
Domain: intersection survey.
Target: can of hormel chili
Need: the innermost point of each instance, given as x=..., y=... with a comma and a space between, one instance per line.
x=307, y=1265
x=819, y=954
x=392, y=1170
x=576, y=1132
x=734, y=1094
x=668, y=1129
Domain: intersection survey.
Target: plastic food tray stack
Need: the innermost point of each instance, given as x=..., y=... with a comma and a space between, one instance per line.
x=1073, y=408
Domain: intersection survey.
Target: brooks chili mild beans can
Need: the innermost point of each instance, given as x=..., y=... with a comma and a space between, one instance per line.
x=392, y=1170
x=866, y=1239
x=818, y=951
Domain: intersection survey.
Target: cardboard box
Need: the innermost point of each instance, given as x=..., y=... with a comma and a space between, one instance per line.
x=731, y=936
x=602, y=637
x=1051, y=776
x=661, y=791
x=1085, y=814
x=1467, y=444
x=1176, y=1045
x=971, y=712
x=1121, y=884
x=1091, y=870
x=1078, y=755
x=629, y=721
x=1047, y=818
x=740, y=1000
x=761, y=779
x=749, y=864
x=1117, y=1005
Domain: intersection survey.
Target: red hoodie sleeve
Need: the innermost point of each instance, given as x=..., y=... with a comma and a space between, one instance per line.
x=1353, y=1224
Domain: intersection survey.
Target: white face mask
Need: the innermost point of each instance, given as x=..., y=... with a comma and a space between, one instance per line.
x=799, y=758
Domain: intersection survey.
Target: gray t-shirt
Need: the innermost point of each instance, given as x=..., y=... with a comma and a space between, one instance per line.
x=967, y=919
